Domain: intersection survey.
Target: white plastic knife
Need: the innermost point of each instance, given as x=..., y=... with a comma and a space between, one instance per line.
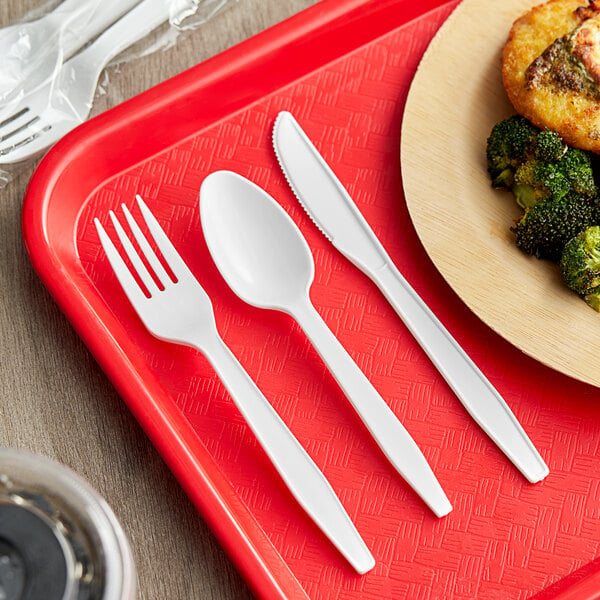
x=332, y=209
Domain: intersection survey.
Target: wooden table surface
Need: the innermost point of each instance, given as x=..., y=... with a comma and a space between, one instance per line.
x=56, y=401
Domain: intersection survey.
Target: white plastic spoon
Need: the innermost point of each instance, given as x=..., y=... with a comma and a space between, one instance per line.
x=266, y=261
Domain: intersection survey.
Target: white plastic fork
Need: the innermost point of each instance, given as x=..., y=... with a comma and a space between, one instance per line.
x=42, y=117
x=180, y=311
x=33, y=51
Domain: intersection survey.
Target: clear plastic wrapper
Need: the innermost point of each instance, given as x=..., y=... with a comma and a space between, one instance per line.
x=38, y=73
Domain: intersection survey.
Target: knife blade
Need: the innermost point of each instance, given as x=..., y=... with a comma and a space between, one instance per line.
x=329, y=205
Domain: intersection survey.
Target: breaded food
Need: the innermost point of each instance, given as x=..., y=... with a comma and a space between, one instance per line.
x=551, y=69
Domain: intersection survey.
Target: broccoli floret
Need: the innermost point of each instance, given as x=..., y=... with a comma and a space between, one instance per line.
x=576, y=166
x=507, y=144
x=536, y=164
x=580, y=265
x=545, y=228
x=537, y=180
x=556, y=187
x=549, y=146
x=580, y=262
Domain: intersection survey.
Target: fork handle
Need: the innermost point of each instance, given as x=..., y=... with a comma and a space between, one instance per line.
x=479, y=397
x=301, y=475
x=385, y=427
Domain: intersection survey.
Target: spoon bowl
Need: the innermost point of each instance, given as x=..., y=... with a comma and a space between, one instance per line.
x=255, y=244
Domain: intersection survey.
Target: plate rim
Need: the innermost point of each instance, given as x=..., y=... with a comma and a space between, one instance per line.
x=420, y=109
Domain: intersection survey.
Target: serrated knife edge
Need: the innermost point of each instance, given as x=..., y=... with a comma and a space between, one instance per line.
x=275, y=134
x=323, y=196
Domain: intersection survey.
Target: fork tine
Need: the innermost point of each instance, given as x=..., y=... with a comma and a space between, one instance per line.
x=145, y=247
x=128, y=283
x=13, y=141
x=134, y=257
x=15, y=123
x=12, y=116
x=175, y=262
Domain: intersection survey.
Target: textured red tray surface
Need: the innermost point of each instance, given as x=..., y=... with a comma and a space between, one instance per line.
x=505, y=539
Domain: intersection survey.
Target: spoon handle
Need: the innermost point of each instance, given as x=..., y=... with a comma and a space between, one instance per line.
x=389, y=433
x=476, y=393
x=301, y=475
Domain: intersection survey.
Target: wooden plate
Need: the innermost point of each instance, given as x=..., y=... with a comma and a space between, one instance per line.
x=455, y=99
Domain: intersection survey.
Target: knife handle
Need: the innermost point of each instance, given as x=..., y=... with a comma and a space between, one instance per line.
x=301, y=475
x=389, y=433
x=479, y=397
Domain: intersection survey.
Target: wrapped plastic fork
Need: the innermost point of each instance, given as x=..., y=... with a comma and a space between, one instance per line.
x=37, y=48
x=33, y=51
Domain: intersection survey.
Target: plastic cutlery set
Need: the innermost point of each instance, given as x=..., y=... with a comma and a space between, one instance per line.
x=52, y=67
x=33, y=52
x=265, y=260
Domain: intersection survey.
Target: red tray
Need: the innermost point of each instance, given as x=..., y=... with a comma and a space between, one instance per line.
x=343, y=68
